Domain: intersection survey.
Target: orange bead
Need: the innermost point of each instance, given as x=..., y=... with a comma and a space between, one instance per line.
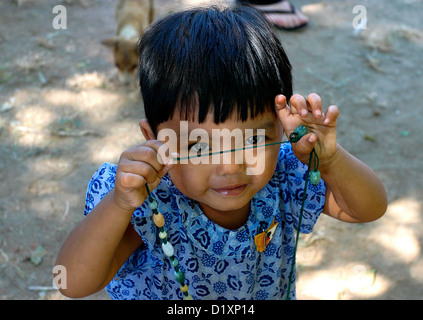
x=159, y=220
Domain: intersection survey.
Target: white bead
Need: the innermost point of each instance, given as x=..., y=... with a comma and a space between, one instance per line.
x=168, y=249
x=163, y=235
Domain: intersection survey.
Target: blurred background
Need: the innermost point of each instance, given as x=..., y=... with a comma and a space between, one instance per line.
x=63, y=113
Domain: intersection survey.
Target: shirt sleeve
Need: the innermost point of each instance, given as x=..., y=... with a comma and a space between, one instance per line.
x=292, y=180
x=100, y=184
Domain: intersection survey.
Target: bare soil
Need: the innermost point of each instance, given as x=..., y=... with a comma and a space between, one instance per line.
x=62, y=114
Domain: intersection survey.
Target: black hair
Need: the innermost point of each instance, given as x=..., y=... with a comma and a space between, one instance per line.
x=225, y=60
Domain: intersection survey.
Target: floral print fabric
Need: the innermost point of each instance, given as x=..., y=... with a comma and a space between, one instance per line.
x=218, y=263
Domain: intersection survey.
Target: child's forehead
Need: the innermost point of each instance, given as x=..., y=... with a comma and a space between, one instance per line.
x=266, y=120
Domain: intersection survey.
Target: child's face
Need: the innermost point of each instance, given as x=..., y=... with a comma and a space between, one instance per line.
x=220, y=186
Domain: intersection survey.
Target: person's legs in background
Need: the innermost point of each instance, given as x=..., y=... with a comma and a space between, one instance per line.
x=281, y=13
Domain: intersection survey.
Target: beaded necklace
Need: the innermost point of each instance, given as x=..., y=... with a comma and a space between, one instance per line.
x=312, y=175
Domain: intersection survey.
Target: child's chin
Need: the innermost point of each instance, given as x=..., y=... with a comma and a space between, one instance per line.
x=225, y=203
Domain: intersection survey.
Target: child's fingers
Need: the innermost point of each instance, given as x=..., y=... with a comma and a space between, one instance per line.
x=331, y=115
x=303, y=107
x=146, y=161
x=129, y=180
x=314, y=105
x=153, y=152
x=160, y=151
x=280, y=101
x=166, y=168
x=282, y=110
x=286, y=113
x=298, y=105
x=139, y=168
x=164, y=155
x=137, y=158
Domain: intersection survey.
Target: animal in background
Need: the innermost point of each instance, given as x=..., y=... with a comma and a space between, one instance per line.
x=132, y=18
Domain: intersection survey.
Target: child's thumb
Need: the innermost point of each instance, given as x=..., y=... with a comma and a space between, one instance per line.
x=306, y=144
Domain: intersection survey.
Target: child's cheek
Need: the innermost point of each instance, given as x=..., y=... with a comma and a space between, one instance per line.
x=271, y=160
x=189, y=177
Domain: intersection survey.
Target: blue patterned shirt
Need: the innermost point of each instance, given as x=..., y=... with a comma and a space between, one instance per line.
x=218, y=263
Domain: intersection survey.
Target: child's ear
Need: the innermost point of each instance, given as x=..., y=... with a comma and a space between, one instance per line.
x=146, y=130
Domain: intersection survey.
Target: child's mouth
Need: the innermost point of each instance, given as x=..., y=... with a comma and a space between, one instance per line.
x=231, y=191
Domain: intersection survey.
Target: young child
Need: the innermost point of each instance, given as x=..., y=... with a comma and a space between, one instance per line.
x=217, y=69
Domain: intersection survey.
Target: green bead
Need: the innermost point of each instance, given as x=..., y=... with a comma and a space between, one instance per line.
x=301, y=131
x=174, y=262
x=315, y=177
x=298, y=133
x=153, y=204
x=180, y=276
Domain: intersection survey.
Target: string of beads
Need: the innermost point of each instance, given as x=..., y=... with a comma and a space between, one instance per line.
x=314, y=177
x=167, y=247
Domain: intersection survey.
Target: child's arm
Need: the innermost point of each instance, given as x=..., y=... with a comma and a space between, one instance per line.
x=100, y=244
x=354, y=193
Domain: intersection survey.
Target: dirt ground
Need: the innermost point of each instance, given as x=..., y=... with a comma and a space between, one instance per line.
x=62, y=114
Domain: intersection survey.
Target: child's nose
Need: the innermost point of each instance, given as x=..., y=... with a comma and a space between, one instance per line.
x=231, y=163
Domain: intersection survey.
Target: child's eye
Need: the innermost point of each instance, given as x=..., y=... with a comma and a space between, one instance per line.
x=255, y=140
x=200, y=147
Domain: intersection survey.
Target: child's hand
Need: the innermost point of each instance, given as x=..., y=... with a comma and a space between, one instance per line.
x=137, y=166
x=321, y=126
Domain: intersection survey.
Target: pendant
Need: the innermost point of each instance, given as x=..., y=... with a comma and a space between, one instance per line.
x=262, y=239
